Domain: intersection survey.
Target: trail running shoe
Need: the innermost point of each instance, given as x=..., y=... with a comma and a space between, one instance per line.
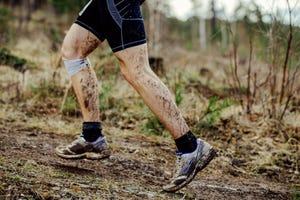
x=189, y=164
x=80, y=148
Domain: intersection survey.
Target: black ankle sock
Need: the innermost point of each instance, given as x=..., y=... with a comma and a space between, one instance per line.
x=91, y=131
x=186, y=143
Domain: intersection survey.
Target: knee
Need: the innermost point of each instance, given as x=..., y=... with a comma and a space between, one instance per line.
x=134, y=65
x=73, y=60
x=70, y=51
x=137, y=75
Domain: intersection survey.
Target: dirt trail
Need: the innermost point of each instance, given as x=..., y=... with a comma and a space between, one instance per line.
x=136, y=170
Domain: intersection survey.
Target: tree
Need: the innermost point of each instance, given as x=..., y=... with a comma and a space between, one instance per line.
x=155, y=8
x=202, y=25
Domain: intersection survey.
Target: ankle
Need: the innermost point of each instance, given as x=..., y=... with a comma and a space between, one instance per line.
x=186, y=143
x=91, y=131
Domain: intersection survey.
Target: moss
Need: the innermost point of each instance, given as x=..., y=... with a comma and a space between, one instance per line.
x=7, y=58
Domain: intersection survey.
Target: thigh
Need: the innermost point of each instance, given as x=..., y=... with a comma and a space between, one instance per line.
x=132, y=52
x=79, y=42
x=126, y=25
x=118, y=21
x=133, y=58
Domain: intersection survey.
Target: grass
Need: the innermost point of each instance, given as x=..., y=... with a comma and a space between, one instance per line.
x=124, y=115
x=122, y=108
x=214, y=110
x=295, y=192
x=105, y=100
x=71, y=106
x=178, y=93
x=153, y=126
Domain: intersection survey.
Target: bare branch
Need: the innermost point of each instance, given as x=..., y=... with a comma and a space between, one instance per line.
x=289, y=44
x=249, y=99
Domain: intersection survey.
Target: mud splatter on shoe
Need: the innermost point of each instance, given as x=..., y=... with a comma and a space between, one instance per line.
x=80, y=148
x=189, y=164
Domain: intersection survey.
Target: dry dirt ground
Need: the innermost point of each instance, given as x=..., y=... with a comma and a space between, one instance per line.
x=251, y=164
x=137, y=169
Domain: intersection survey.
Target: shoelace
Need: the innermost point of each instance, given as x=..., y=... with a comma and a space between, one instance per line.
x=76, y=141
x=178, y=164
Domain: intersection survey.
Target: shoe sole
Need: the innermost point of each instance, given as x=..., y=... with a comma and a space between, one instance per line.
x=87, y=155
x=201, y=165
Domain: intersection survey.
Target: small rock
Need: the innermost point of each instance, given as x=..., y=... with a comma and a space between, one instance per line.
x=45, y=195
x=76, y=187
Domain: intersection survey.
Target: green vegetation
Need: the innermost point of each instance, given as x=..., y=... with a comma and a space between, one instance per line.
x=215, y=108
x=153, y=126
x=295, y=194
x=178, y=93
x=70, y=106
x=105, y=95
x=5, y=29
x=7, y=58
x=258, y=46
x=45, y=89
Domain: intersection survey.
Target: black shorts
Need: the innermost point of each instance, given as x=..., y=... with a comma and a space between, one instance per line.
x=118, y=21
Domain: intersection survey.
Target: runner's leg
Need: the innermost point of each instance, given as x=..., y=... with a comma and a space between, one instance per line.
x=79, y=43
x=136, y=70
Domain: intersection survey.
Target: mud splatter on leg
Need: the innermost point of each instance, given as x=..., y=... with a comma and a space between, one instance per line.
x=156, y=95
x=88, y=93
x=85, y=82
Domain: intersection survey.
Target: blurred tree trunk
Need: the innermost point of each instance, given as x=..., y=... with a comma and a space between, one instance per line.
x=156, y=8
x=23, y=11
x=213, y=21
x=155, y=27
x=200, y=23
x=202, y=31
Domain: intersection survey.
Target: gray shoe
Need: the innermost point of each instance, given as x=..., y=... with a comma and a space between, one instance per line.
x=189, y=164
x=80, y=148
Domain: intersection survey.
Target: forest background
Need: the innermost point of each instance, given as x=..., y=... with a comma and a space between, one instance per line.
x=236, y=83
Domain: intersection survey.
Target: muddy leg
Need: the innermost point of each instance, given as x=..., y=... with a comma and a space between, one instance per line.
x=136, y=70
x=78, y=43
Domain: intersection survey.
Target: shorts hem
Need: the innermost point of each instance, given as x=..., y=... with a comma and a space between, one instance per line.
x=128, y=45
x=101, y=38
